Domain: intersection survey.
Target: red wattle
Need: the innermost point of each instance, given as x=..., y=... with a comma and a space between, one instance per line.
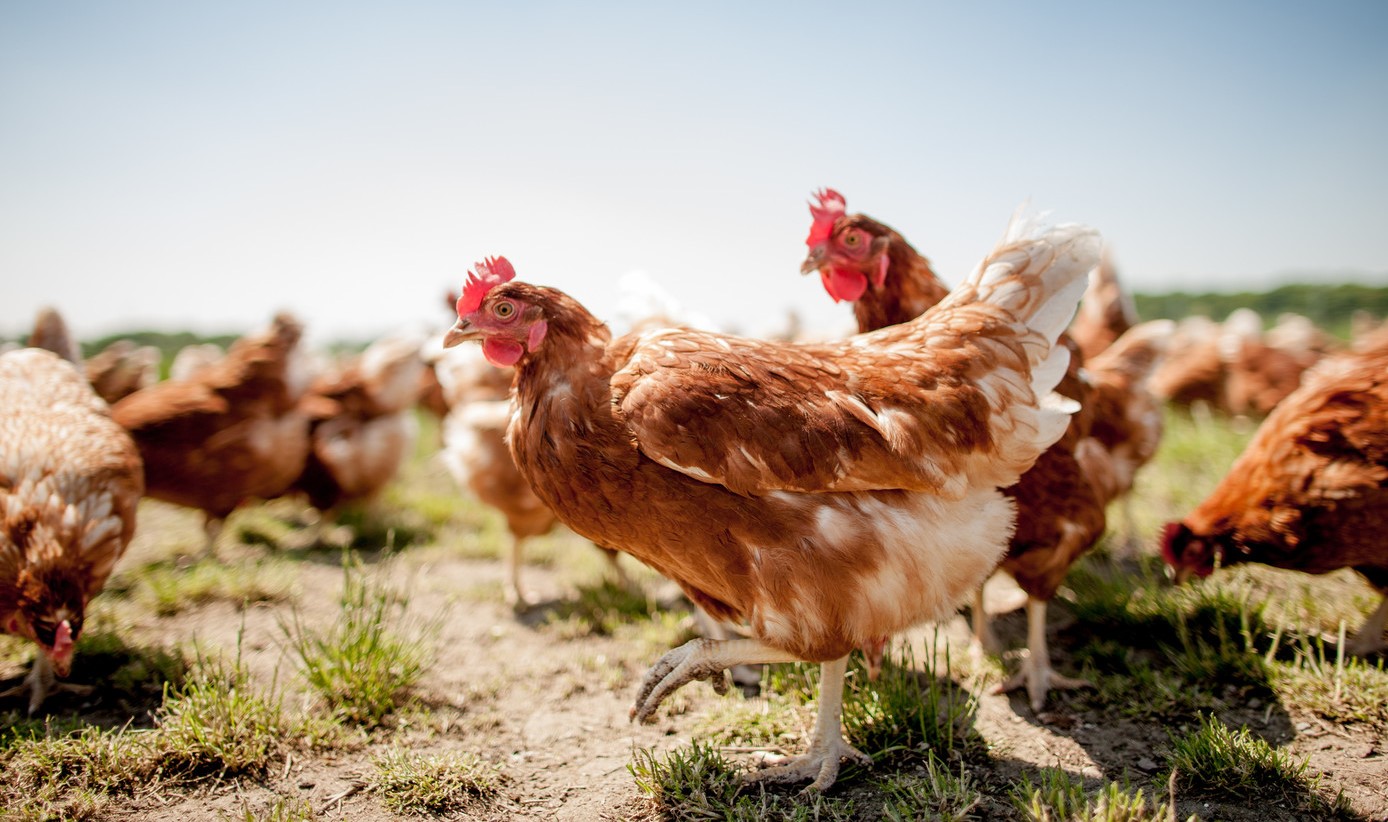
x=843, y=284
x=502, y=353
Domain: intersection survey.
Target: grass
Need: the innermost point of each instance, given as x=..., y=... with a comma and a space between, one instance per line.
x=432, y=785
x=1058, y=796
x=169, y=589
x=936, y=794
x=218, y=724
x=1216, y=760
x=1161, y=656
x=363, y=664
x=282, y=809
x=1336, y=686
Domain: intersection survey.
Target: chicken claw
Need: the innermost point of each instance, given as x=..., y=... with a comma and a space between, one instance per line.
x=695, y=659
x=821, y=763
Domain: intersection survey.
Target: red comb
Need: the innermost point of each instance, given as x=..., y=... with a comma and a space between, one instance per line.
x=831, y=207
x=492, y=271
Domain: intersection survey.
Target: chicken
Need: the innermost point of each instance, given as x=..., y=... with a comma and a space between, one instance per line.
x=192, y=358
x=476, y=454
x=1060, y=511
x=1106, y=312
x=827, y=495
x=70, y=480
x=122, y=368
x=1310, y=492
x=363, y=425
x=1230, y=367
x=1126, y=423
x=51, y=334
x=231, y=433
x=1191, y=374
x=1257, y=376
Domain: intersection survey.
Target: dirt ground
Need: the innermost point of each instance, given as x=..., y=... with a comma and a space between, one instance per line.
x=550, y=711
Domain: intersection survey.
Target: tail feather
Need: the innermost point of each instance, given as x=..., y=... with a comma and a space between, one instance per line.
x=1036, y=275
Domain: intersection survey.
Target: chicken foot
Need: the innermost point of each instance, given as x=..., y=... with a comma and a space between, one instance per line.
x=40, y=682
x=709, y=660
x=828, y=749
x=1036, y=673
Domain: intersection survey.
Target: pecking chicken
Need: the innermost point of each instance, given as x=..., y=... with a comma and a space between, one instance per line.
x=827, y=495
x=363, y=425
x=231, y=433
x=1061, y=500
x=1310, y=492
x=70, y=480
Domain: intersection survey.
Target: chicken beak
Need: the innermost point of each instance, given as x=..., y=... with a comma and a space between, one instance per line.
x=61, y=654
x=462, y=331
x=814, y=260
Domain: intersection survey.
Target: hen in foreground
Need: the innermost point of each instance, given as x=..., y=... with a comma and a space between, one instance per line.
x=1310, y=492
x=70, y=480
x=827, y=494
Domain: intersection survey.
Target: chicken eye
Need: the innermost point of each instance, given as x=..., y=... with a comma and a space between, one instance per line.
x=852, y=240
x=504, y=310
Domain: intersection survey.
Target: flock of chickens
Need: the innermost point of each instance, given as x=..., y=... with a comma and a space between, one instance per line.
x=809, y=497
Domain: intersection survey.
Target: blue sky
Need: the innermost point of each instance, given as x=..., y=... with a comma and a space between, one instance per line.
x=187, y=164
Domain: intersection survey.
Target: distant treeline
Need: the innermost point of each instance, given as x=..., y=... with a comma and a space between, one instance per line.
x=1328, y=306
x=167, y=343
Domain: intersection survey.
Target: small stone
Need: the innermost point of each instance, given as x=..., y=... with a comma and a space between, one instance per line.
x=1363, y=750
x=1147, y=764
x=1303, y=726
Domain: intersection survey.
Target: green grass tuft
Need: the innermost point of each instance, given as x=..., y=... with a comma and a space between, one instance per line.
x=936, y=794
x=1216, y=760
x=362, y=664
x=1061, y=797
x=432, y=785
x=282, y=809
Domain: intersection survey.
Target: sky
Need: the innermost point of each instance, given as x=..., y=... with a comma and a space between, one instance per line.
x=174, y=165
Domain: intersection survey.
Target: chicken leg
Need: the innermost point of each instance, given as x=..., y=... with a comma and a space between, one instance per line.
x=41, y=682
x=707, y=659
x=1037, y=674
x=828, y=749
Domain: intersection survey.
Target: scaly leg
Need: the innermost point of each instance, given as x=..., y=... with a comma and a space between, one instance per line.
x=515, y=595
x=828, y=748
x=1036, y=673
x=746, y=677
x=1369, y=637
x=41, y=682
x=212, y=527
x=985, y=641
x=703, y=659
x=617, y=575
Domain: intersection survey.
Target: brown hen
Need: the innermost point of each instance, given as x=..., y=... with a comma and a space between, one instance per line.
x=231, y=433
x=70, y=481
x=1310, y=492
x=827, y=495
x=1061, y=500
